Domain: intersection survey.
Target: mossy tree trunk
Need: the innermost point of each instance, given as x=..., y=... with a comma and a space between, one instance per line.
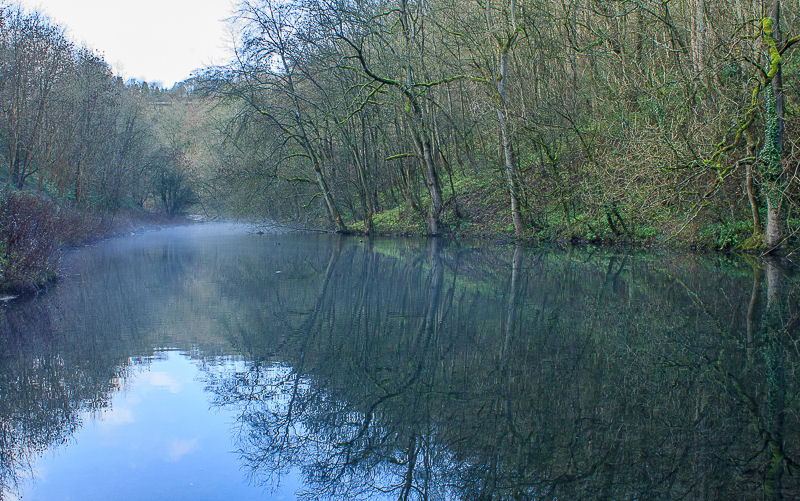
x=772, y=154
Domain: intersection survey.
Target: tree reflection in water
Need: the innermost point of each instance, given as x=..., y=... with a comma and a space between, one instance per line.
x=422, y=369
x=637, y=379
x=64, y=354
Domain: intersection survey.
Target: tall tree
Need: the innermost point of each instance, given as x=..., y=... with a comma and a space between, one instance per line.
x=34, y=55
x=270, y=55
x=772, y=154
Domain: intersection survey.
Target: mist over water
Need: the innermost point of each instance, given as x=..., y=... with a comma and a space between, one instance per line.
x=209, y=362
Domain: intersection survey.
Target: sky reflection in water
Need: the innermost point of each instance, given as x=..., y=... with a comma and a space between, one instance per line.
x=157, y=439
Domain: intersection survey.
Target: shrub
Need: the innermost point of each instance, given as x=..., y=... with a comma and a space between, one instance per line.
x=28, y=241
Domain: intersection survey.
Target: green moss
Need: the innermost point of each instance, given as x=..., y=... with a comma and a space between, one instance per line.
x=754, y=243
x=774, y=54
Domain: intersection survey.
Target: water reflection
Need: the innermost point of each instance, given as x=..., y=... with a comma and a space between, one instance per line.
x=413, y=369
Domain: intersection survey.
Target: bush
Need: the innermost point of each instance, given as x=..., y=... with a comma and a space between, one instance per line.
x=74, y=227
x=28, y=241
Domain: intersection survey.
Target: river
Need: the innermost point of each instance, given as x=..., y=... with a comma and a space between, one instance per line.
x=211, y=362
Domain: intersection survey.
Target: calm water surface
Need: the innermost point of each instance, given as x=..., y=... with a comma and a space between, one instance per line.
x=207, y=362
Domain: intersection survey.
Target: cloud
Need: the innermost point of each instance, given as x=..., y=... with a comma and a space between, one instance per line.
x=178, y=448
x=117, y=416
x=164, y=380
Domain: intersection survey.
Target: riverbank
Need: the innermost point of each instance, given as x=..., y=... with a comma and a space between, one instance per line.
x=34, y=231
x=654, y=246
x=477, y=209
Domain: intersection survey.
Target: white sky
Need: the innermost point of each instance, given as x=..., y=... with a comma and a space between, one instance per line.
x=152, y=40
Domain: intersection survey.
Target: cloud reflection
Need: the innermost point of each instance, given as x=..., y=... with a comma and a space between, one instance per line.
x=178, y=448
x=164, y=380
x=118, y=416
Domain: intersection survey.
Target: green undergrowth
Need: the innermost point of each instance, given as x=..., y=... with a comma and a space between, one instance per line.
x=478, y=206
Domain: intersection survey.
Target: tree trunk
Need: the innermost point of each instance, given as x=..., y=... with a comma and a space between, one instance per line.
x=508, y=150
x=78, y=182
x=12, y=168
x=326, y=194
x=774, y=234
x=360, y=157
x=369, y=211
x=333, y=211
x=751, y=189
x=698, y=35
x=423, y=146
x=421, y=137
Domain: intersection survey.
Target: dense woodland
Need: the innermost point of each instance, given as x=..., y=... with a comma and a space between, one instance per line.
x=667, y=122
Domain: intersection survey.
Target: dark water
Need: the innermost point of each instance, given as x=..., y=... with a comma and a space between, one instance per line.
x=210, y=363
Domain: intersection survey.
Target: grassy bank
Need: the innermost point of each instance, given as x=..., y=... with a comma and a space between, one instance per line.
x=35, y=230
